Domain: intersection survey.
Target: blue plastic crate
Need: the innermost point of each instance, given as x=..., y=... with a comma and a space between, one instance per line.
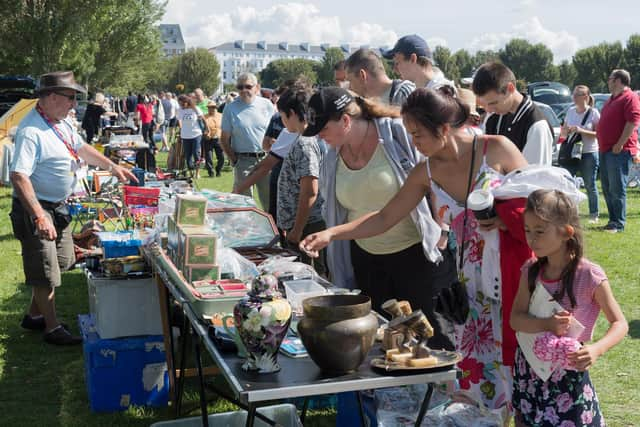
x=124, y=371
x=119, y=244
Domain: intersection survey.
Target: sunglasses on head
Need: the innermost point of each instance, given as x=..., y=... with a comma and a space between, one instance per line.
x=69, y=97
x=244, y=87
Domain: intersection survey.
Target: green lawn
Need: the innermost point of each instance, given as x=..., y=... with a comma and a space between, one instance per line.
x=42, y=385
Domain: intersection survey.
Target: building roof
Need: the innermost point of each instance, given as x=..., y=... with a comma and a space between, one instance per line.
x=281, y=47
x=170, y=34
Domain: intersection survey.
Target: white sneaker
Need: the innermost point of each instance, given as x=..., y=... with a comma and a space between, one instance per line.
x=594, y=220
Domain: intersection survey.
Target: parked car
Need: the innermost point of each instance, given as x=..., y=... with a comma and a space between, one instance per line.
x=599, y=99
x=553, y=94
x=13, y=89
x=555, y=125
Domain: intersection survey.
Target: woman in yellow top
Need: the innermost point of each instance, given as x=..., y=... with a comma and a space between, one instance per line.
x=211, y=139
x=369, y=159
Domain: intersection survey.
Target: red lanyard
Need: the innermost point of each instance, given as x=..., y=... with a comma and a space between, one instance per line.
x=59, y=134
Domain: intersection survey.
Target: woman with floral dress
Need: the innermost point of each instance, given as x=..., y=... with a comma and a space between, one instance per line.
x=436, y=122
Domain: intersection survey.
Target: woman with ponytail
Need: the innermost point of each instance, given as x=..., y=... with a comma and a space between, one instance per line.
x=436, y=119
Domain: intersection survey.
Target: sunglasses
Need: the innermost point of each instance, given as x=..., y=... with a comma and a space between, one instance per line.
x=244, y=87
x=69, y=97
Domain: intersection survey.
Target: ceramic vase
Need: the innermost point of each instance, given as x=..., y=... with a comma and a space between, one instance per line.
x=262, y=320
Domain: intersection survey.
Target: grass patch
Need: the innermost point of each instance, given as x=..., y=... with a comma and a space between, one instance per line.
x=44, y=385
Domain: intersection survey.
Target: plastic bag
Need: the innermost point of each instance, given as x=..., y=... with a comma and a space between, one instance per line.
x=286, y=268
x=524, y=181
x=231, y=262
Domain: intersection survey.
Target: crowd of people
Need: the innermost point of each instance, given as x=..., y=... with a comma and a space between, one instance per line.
x=369, y=180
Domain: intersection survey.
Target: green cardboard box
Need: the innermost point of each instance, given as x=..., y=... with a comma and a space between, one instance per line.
x=193, y=273
x=196, y=246
x=190, y=209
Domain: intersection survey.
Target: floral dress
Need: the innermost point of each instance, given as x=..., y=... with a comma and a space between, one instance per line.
x=479, y=340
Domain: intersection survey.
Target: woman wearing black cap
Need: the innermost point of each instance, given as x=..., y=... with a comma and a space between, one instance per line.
x=369, y=160
x=436, y=122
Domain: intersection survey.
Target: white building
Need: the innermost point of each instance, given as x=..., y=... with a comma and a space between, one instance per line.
x=238, y=57
x=172, y=41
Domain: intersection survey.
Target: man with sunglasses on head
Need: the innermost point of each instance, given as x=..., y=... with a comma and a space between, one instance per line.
x=244, y=122
x=44, y=171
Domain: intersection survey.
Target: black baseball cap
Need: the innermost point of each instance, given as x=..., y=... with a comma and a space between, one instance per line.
x=323, y=105
x=410, y=44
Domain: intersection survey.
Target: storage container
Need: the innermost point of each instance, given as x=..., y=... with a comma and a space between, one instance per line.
x=118, y=244
x=250, y=231
x=298, y=290
x=123, y=372
x=141, y=196
x=284, y=415
x=124, y=307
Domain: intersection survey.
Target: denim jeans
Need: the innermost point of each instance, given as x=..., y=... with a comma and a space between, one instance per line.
x=191, y=149
x=588, y=168
x=614, y=174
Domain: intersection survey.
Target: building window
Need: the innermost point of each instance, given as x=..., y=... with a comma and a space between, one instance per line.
x=224, y=75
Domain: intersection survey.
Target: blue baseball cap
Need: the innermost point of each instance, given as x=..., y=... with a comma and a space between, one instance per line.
x=410, y=44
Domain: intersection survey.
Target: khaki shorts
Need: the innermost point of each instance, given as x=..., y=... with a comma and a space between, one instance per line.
x=42, y=259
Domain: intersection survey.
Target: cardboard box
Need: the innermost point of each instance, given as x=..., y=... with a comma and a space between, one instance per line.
x=196, y=246
x=193, y=273
x=190, y=209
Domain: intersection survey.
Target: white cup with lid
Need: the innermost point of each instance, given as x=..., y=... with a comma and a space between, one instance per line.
x=481, y=203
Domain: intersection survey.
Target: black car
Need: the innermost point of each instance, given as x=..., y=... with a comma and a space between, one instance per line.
x=550, y=93
x=13, y=89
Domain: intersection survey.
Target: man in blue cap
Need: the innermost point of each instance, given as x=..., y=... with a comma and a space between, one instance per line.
x=413, y=60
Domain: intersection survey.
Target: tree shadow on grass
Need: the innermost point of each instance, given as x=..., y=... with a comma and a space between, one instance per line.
x=634, y=328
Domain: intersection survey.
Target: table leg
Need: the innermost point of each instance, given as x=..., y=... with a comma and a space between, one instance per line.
x=186, y=335
x=165, y=316
x=203, y=398
x=425, y=404
x=363, y=423
x=251, y=415
x=305, y=405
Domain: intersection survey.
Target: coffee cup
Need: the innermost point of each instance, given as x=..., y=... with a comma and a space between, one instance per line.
x=481, y=203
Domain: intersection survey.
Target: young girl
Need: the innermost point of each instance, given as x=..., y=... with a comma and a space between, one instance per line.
x=581, y=287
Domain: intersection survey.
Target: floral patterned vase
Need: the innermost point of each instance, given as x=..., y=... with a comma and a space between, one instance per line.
x=262, y=320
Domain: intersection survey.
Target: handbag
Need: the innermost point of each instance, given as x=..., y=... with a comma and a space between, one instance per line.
x=453, y=302
x=570, y=152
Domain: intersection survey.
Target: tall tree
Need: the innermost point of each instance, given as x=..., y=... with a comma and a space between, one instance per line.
x=332, y=56
x=281, y=70
x=464, y=62
x=197, y=68
x=483, y=56
x=567, y=73
x=529, y=62
x=100, y=41
x=593, y=64
x=632, y=59
x=446, y=62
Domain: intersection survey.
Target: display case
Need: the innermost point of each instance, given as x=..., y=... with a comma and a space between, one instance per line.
x=250, y=231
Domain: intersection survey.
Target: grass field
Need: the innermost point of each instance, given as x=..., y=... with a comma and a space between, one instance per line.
x=43, y=385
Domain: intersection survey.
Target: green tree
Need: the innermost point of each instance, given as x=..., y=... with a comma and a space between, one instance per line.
x=464, y=62
x=593, y=64
x=567, y=73
x=483, y=56
x=324, y=70
x=281, y=70
x=446, y=62
x=529, y=62
x=105, y=43
x=632, y=59
x=197, y=68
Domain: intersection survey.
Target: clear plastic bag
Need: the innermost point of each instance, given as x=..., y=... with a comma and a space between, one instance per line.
x=231, y=262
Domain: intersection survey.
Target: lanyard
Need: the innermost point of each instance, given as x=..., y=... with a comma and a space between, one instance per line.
x=59, y=134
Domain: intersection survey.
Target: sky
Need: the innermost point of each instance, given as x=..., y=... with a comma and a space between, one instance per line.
x=564, y=26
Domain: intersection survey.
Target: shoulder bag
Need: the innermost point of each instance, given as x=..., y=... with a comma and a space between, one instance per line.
x=571, y=150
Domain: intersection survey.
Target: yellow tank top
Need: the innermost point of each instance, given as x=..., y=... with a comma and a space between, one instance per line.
x=369, y=189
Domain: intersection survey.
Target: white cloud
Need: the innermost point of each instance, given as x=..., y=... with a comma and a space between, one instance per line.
x=561, y=43
x=292, y=22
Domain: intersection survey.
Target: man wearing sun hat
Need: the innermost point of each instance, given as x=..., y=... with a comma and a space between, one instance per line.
x=413, y=60
x=44, y=169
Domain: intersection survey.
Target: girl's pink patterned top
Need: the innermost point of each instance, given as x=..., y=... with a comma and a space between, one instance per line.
x=587, y=278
